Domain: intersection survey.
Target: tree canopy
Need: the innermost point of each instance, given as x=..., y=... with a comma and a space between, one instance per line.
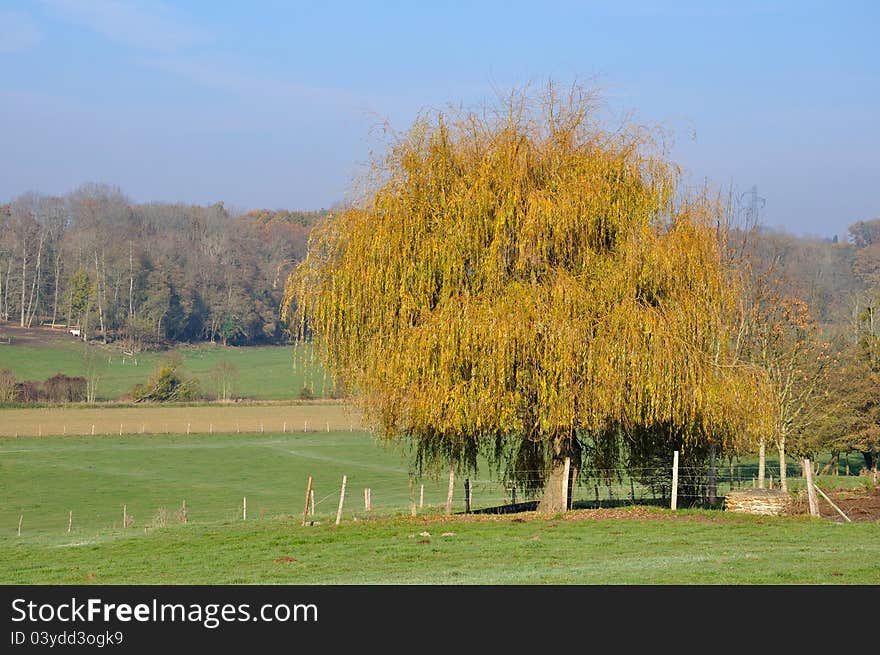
x=522, y=281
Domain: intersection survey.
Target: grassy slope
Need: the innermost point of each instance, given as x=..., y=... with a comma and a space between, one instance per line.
x=265, y=372
x=44, y=478
x=732, y=550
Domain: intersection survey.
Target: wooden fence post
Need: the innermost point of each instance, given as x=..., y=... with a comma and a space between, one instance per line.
x=566, y=469
x=93, y=428
x=421, y=496
x=244, y=508
x=811, y=489
x=306, y=506
x=341, y=500
x=674, y=504
x=69, y=521
x=312, y=502
x=124, y=516
x=762, y=463
x=20, y=518
x=712, y=477
x=451, y=488
x=183, y=512
x=467, y=495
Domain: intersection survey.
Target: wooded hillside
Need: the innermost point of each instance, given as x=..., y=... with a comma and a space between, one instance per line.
x=147, y=273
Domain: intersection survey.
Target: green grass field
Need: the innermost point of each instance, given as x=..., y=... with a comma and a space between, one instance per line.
x=42, y=480
x=690, y=548
x=265, y=372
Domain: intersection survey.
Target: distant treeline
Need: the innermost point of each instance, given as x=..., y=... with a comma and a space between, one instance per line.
x=147, y=274
x=837, y=278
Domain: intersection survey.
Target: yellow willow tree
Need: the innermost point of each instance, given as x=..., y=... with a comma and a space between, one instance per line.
x=523, y=283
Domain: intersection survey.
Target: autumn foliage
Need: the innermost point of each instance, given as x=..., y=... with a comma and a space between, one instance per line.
x=525, y=283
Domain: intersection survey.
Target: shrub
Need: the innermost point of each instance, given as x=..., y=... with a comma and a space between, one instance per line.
x=62, y=388
x=160, y=518
x=7, y=386
x=167, y=384
x=27, y=392
x=306, y=394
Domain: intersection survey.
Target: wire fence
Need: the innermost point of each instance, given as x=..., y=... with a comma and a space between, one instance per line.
x=384, y=496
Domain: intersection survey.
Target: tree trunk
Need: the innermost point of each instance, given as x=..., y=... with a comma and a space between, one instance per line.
x=558, y=486
x=23, y=278
x=869, y=459
x=98, y=293
x=6, y=290
x=69, y=307
x=130, y=282
x=55, y=301
x=762, y=463
x=34, y=298
x=831, y=466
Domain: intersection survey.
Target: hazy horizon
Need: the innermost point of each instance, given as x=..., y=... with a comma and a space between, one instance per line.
x=279, y=105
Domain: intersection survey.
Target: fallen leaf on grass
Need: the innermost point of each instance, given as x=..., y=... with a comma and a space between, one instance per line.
x=284, y=558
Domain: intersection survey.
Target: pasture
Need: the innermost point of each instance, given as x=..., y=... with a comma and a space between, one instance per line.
x=633, y=546
x=264, y=372
x=43, y=480
x=167, y=419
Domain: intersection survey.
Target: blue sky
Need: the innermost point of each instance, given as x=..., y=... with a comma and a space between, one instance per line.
x=278, y=104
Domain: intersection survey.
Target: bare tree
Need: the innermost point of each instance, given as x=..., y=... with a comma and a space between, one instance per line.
x=225, y=377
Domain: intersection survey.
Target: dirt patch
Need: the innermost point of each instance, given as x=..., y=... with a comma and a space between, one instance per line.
x=284, y=559
x=15, y=335
x=631, y=513
x=858, y=504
